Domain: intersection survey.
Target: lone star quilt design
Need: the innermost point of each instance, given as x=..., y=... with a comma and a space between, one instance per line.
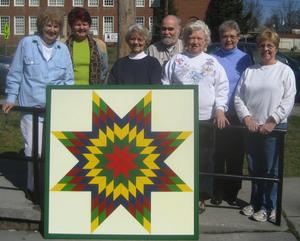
x=121, y=162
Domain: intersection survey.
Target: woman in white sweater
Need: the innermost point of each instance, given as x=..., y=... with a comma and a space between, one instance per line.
x=264, y=98
x=194, y=67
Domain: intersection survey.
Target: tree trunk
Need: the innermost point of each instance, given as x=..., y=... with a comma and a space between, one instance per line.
x=166, y=7
x=126, y=18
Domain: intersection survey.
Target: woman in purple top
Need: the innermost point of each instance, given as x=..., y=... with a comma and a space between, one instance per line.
x=229, y=149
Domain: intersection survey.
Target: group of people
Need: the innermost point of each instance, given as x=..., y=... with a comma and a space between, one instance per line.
x=232, y=91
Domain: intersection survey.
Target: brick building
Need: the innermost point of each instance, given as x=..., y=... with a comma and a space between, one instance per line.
x=21, y=15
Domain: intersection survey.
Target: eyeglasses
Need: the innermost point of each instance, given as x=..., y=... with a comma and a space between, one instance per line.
x=268, y=46
x=229, y=37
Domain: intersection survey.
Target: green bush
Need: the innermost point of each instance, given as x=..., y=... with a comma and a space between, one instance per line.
x=10, y=133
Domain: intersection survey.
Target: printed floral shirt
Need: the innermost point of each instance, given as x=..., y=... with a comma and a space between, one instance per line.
x=202, y=70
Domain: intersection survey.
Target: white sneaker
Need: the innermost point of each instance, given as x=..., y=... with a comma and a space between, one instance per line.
x=272, y=216
x=248, y=210
x=260, y=216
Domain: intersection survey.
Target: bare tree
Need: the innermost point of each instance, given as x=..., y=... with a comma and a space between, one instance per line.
x=273, y=22
x=254, y=9
x=288, y=13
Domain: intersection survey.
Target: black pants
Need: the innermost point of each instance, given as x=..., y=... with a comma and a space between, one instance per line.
x=206, y=164
x=228, y=159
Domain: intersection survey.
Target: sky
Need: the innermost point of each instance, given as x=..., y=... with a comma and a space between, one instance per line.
x=268, y=5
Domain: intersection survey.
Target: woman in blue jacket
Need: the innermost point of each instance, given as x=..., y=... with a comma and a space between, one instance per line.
x=39, y=60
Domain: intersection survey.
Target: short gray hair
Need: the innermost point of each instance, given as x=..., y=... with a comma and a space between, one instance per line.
x=140, y=29
x=196, y=26
x=177, y=19
x=229, y=24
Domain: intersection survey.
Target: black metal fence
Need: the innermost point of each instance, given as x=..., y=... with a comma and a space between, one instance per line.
x=38, y=161
x=35, y=158
x=278, y=180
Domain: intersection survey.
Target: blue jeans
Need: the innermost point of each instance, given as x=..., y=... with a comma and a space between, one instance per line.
x=263, y=158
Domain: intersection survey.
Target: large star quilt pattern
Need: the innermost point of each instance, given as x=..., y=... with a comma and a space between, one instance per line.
x=121, y=161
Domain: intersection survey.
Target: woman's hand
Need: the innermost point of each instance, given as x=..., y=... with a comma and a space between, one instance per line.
x=6, y=107
x=220, y=119
x=268, y=127
x=251, y=124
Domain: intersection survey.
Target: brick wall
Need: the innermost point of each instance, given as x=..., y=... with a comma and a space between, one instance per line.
x=187, y=9
x=191, y=9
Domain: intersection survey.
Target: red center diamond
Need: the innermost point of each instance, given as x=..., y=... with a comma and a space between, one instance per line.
x=121, y=161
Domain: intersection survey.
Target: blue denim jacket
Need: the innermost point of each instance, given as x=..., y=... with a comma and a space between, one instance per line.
x=30, y=73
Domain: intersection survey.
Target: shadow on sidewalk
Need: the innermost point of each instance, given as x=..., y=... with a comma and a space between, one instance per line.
x=15, y=171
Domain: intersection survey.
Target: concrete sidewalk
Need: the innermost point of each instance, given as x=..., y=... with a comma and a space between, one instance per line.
x=216, y=223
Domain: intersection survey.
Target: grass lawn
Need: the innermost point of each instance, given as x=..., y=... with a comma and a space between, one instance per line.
x=11, y=140
x=10, y=133
x=292, y=148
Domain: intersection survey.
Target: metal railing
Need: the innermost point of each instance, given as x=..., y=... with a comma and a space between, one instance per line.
x=35, y=112
x=278, y=180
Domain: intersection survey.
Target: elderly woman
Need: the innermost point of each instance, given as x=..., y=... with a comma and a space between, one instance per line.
x=39, y=60
x=88, y=54
x=264, y=98
x=137, y=67
x=229, y=155
x=194, y=67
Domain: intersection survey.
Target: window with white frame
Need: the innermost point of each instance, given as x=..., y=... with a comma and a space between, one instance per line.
x=140, y=20
x=32, y=25
x=151, y=24
x=19, y=3
x=154, y=3
x=140, y=3
x=108, y=24
x=19, y=26
x=34, y=3
x=4, y=3
x=108, y=3
x=56, y=3
x=93, y=3
x=3, y=21
x=95, y=26
x=77, y=3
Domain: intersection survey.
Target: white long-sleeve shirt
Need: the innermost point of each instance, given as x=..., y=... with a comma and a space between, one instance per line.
x=206, y=72
x=266, y=91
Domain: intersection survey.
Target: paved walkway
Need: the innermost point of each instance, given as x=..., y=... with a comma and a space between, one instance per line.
x=216, y=223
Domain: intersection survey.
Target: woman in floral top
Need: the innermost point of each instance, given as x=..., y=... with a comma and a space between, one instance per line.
x=194, y=67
